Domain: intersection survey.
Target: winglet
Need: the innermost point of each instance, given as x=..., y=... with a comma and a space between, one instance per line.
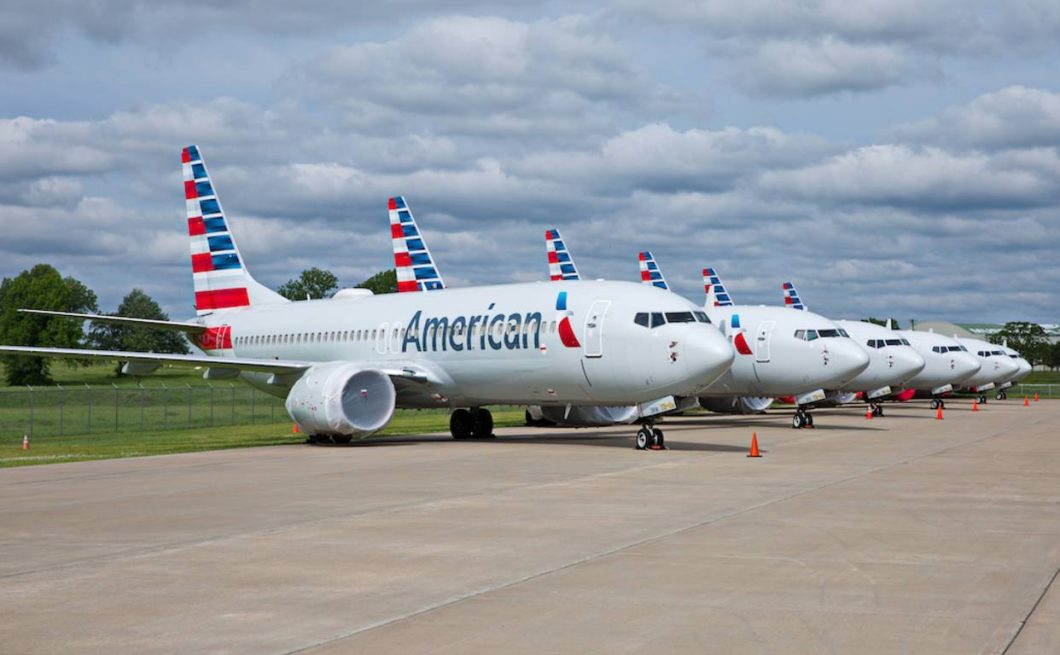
x=717, y=295
x=560, y=264
x=412, y=260
x=649, y=271
x=791, y=297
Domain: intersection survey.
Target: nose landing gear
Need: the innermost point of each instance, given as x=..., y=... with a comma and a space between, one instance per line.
x=982, y=399
x=801, y=419
x=877, y=409
x=650, y=437
x=1001, y=395
x=938, y=402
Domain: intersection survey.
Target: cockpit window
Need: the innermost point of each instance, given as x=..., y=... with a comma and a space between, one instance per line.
x=811, y=335
x=641, y=319
x=680, y=317
x=657, y=319
x=702, y=317
x=894, y=342
x=905, y=342
x=831, y=334
x=843, y=333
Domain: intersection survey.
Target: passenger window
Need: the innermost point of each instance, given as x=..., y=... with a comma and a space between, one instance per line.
x=657, y=319
x=641, y=319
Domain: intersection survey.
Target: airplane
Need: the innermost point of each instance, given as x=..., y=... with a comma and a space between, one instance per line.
x=997, y=367
x=892, y=360
x=1023, y=370
x=344, y=364
x=946, y=363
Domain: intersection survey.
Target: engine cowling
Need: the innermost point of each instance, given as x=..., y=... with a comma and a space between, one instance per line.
x=582, y=416
x=342, y=398
x=736, y=405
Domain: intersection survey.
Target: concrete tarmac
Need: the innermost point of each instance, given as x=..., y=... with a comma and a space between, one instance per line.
x=896, y=535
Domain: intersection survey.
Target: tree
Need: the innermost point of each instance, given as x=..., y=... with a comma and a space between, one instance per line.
x=1054, y=356
x=1029, y=339
x=138, y=304
x=381, y=282
x=41, y=287
x=312, y=283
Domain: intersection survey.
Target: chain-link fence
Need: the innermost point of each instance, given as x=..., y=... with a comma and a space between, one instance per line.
x=44, y=411
x=1043, y=390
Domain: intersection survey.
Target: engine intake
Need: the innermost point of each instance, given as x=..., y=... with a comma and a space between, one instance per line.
x=342, y=398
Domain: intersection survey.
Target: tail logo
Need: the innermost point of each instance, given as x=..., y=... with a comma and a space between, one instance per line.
x=566, y=332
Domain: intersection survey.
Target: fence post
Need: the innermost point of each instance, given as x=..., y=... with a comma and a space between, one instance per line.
x=252, y=392
x=233, y=402
x=165, y=406
x=115, y=406
x=211, y=403
x=189, y=403
x=30, y=409
x=62, y=402
x=88, y=392
x=143, y=395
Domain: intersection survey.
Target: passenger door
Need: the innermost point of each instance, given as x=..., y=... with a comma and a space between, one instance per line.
x=765, y=334
x=594, y=328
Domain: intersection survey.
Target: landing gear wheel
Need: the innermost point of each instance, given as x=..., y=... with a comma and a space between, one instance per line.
x=809, y=420
x=877, y=410
x=483, y=424
x=935, y=403
x=461, y=424
x=798, y=421
x=644, y=437
x=1000, y=395
x=341, y=438
x=659, y=441
x=982, y=399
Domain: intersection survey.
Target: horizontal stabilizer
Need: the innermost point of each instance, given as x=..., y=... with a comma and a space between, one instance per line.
x=190, y=328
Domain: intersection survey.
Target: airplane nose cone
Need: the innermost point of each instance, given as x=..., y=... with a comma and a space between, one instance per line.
x=847, y=359
x=907, y=363
x=965, y=366
x=1007, y=367
x=1024, y=367
x=709, y=356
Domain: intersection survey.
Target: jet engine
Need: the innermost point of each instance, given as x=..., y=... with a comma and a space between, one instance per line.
x=579, y=416
x=342, y=398
x=736, y=405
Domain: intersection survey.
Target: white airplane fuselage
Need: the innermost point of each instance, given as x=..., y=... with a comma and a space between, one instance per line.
x=996, y=365
x=945, y=363
x=772, y=361
x=490, y=345
x=891, y=362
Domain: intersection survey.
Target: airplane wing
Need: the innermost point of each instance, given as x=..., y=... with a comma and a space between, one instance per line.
x=189, y=328
x=191, y=361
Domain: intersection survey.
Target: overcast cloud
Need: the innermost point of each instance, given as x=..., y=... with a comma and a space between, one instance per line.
x=893, y=158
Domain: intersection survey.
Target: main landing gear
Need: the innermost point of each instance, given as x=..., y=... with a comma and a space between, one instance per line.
x=938, y=402
x=474, y=423
x=877, y=409
x=801, y=419
x=982, y=399
x=650, y=437
x=1000, y=395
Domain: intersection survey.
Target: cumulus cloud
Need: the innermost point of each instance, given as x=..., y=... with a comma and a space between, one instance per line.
x=1014, y=117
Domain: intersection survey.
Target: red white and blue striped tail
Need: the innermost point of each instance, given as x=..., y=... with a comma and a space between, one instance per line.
x=717, y=295
x=560, y=264
x=220, y=276
x=791, y=297
x=412, y=260
x=649, y=271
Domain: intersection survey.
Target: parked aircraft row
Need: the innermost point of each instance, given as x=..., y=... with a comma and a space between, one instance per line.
x=574, y=352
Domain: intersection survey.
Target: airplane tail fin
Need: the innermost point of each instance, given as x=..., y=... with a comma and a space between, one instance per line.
x=649, y=271
x=221, y=278
x=791, y=297
x=560, y=264
x=412, y=260
x=717, y=295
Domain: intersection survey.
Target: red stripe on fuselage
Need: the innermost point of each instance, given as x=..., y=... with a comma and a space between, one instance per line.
x=221, y=299
x=741, y=344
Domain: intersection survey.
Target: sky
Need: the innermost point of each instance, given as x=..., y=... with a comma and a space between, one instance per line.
x=892, y=157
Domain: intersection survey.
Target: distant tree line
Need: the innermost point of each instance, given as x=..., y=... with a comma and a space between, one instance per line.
x=43, y=287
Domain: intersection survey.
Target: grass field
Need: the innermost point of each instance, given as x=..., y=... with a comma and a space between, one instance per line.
x=102, y=374
x=73, y=448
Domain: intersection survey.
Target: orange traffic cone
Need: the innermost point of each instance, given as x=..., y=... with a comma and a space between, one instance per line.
x=25, y=442
x=1026, y=401
x=1035, y=396
x=294, y=428
x=868, y=414
x=975, y=405
x=938, y=413
x=754, y=446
